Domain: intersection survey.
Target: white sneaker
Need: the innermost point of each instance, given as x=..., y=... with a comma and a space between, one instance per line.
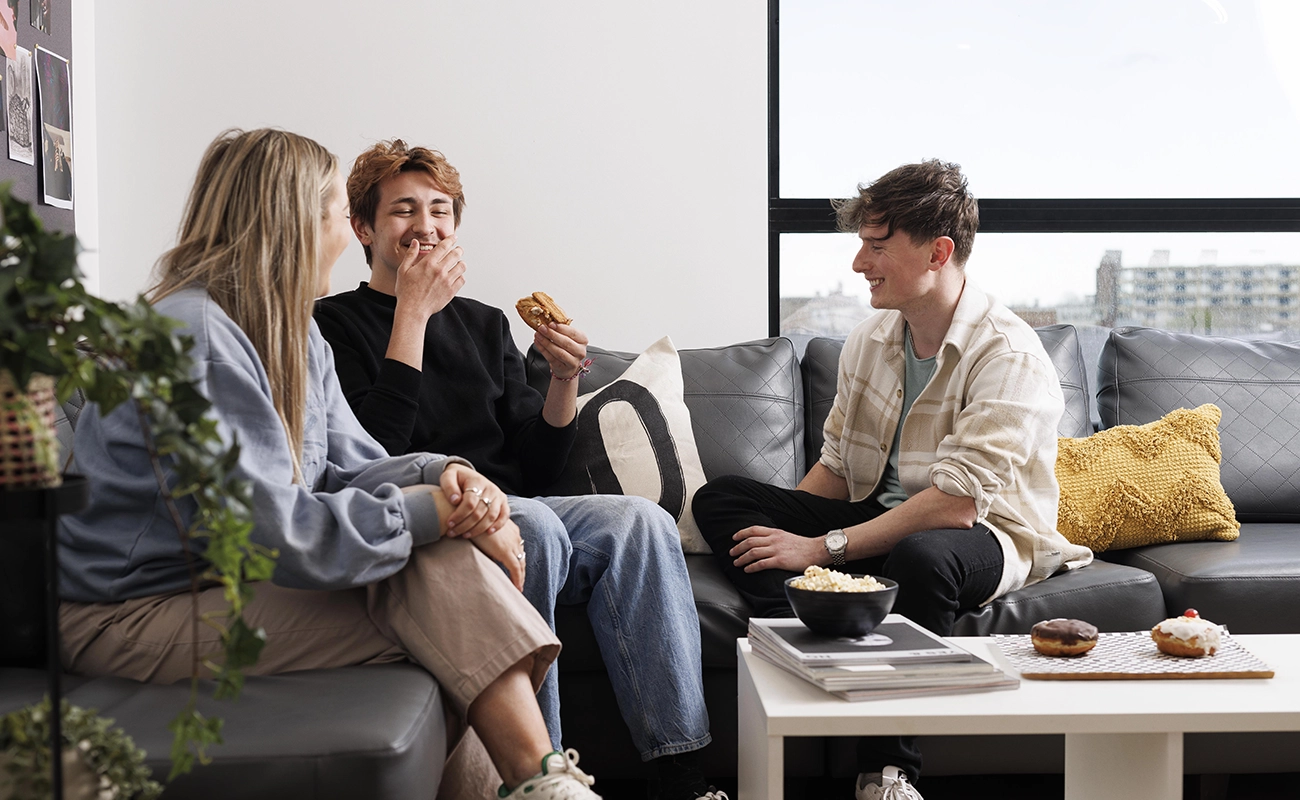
x=560, y=779
x=888, y=785
x=713, y=794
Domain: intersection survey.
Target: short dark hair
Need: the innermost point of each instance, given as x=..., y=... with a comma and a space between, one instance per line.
x=925, y=201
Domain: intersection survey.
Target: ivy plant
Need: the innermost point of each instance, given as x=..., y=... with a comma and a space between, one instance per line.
x=128, y=353
x=115, y=764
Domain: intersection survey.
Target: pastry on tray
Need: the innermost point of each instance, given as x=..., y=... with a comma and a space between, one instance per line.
x=1063, y=637
x=1190, y=636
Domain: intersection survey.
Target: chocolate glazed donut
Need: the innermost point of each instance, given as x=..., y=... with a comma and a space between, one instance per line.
x=1063, y=637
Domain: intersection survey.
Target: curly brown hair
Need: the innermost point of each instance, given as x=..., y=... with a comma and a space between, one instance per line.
x=390, y=158
x=925, y=201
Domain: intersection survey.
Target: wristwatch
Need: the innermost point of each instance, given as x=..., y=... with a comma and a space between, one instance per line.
x=837, y=544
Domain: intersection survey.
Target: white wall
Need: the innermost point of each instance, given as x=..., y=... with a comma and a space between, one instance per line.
x=613, y=154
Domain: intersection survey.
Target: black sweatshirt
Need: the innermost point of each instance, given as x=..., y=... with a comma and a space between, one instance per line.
x=471, y=399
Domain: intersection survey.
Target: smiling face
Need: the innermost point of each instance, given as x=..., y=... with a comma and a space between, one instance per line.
x=411, y=207
x=901, y=273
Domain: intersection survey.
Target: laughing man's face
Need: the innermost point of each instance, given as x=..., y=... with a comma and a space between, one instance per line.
x=411, y=206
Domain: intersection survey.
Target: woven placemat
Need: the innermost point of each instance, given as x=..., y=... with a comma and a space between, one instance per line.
x=1129, y=656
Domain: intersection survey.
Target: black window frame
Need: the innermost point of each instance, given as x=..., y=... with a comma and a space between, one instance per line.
x=1009, y=215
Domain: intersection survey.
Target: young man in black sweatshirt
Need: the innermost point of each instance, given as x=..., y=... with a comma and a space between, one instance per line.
x=425, y=369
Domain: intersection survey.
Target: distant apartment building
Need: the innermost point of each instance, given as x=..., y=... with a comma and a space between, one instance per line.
x=832, y=314
x=1205, y=298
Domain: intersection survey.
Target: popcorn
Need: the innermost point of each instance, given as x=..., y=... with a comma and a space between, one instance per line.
x=820, y=579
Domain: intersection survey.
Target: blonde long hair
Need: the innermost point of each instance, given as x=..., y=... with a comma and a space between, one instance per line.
x=249, y=236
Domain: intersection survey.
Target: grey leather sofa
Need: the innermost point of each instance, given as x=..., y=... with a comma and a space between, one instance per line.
x=757, y=410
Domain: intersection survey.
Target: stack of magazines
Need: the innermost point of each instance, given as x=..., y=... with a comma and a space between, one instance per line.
x=898, y=659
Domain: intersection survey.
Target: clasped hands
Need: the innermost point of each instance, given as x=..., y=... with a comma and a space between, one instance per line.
x=474, y=508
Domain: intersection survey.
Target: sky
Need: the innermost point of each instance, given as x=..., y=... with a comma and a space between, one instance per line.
x=1097, y=99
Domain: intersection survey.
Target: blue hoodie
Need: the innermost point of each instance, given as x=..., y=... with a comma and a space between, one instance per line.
x=349, y=526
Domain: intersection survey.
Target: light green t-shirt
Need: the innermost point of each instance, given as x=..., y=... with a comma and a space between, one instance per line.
x=917, y=374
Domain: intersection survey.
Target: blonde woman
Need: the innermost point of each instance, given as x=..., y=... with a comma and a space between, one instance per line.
x=381, y=558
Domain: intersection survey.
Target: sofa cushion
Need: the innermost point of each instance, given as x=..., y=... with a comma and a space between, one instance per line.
x=1135, y=485
x=634, y=437
x=1113, y=597
x=746, y=404
x=1250, y=585
x=369, y=731
x=820, y=368
x=1145, y=373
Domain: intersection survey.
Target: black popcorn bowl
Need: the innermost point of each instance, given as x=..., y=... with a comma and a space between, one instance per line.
x=841, y=613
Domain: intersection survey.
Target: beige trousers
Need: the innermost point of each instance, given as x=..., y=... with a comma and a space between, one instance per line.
x=450, y=609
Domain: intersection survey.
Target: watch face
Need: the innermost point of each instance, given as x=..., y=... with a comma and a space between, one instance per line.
x=836, y=541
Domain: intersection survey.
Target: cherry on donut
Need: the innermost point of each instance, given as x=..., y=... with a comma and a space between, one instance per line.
x=1191, y=612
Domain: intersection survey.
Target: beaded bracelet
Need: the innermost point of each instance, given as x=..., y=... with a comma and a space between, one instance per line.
x=583, y=369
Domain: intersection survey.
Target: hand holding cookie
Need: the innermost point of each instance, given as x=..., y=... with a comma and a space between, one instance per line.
x=563, y=346
x=539, y=309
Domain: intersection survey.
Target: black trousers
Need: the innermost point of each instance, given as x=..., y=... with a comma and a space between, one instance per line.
x=940, y=573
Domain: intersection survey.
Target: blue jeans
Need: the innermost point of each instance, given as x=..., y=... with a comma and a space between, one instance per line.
x=622, y=557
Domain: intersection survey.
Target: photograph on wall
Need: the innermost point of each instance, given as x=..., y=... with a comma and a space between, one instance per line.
x=40, y=14
x=8, y=27
x=56, y=127
x=18, y=105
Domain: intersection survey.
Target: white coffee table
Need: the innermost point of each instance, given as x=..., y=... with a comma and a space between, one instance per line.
x=1123, y=739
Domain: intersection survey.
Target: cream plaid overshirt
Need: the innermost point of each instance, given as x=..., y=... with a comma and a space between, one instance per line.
x=984, y=427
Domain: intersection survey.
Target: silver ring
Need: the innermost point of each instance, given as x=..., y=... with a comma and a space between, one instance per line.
x=520, y=556
x=486, y=501
x=475, y=490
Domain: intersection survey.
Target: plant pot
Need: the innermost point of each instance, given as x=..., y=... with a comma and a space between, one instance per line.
x=29, y=446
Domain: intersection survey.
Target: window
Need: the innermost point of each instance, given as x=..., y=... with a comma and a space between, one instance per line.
x=1087, y=181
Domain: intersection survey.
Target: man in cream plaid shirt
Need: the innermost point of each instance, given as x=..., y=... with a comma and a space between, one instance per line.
x=938, y=468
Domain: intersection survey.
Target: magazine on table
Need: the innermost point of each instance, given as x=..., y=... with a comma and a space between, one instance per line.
x=895, y=641
x=887, y=680
x=1000, y=682
x=898, y=659
x=855, y=676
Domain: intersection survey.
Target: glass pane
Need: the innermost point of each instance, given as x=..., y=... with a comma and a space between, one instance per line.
x=1225, y=284
x=1096, y=99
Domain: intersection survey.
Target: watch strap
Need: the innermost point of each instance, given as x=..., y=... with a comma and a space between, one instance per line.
x=837, y=554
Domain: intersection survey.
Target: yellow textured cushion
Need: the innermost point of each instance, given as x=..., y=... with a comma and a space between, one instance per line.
x=1133, y=485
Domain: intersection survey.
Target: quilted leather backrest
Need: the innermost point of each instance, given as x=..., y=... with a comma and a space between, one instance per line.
x=746, y=404
x=1062, y=345
x=821, y=367
x=65, y=420
x=1145, y=373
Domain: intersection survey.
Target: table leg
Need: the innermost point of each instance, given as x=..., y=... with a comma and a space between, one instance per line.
x=761, y=759
x=1124, y=766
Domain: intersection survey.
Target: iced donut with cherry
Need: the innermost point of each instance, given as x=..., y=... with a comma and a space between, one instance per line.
x=1190, y=636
